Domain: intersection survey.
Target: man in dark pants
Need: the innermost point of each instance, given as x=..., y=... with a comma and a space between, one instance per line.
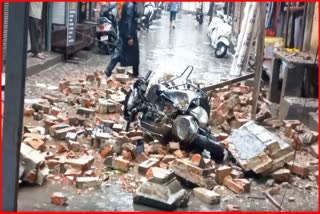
x=35, y=13
x=127, y=52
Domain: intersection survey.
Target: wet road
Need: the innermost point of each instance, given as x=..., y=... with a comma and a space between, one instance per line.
x=171, y=50
x=161, y=50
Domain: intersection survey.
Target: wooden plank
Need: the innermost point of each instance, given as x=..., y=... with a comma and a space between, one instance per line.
x=228, y=82
x=13, y=102
x=259, y=58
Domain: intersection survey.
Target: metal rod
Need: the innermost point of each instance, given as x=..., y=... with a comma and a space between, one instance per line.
x=228, y=82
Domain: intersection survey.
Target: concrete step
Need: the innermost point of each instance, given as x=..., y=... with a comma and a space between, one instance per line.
x=35, y=65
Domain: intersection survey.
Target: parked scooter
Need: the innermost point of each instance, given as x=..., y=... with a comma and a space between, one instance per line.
x=220, y=31
x=199, y=14
x=148, y=15
x=173, y=110
x=106, y=30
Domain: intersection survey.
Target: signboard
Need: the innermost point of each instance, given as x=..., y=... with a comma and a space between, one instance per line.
x=71, y=22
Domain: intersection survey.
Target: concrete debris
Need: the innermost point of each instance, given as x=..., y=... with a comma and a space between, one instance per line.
x=257, y=149
x=87, y=182
x=207, y=196
x=168, y=196
x=232, y=208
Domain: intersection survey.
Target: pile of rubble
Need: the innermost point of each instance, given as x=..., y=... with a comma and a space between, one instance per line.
x=82, y=139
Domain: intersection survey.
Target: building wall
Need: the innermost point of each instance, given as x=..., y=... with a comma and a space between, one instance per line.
x=314, y=35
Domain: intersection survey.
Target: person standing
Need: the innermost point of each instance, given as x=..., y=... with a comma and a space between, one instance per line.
x=35, y=13
x=173, y=12
x=127, y=51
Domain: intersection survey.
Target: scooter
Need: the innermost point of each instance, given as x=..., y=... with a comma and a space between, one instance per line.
x=148, y=15
x=219, y=32
x=199, y=14
x=106, y=30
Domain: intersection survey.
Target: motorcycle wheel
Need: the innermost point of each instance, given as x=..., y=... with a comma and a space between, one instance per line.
x=221, y=50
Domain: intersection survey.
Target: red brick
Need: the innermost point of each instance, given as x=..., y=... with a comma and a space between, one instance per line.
x=126, y=155
x=106, y=151
x=168, y=158
x=58, y=199
x=51, y=98
x=144, y=166
x=244, y=183
x=221, y=173
x=196, y=159
x=235, y=187
x=121, y=164
x=62, y=148
x=83, y=163
x=55, y=111
x=68, y=180
x=135, y=133
x=36, y=143
x=73, y=172
x=28, y=111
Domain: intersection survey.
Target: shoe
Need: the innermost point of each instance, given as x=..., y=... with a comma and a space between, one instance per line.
x=107, y=73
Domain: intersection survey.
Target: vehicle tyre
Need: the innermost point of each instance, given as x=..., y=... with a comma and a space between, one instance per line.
x=221, y=50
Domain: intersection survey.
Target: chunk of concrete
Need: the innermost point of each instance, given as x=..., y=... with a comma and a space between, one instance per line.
x=206, y=195
x=257, y=149
x=166, y=197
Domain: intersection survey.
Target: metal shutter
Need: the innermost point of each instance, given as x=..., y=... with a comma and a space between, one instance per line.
x=58, y=13
x=5, y=30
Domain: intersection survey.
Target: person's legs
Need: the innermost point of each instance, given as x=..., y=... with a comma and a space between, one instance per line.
x=115, y=58
x=34, y=29
x=174, y=13
x=170, y=19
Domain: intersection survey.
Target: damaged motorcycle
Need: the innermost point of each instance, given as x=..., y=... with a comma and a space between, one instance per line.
x=173, y=110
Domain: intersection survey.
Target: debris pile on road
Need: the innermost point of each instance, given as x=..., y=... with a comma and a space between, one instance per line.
x=82, y=139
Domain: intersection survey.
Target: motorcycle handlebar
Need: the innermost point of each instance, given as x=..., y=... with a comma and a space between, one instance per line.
x=148, y=75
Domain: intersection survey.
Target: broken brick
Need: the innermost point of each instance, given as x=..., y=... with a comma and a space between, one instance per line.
x=244, y=183
x=221, y=173
x=121, y=164
x=41, y=107
x=36, y=143
x=83, y=163
x=144, y=166
x=74, y=146
x=28, y=111
x=232, y=185
x=281, y=175
x=135, y=133
x=58, y=199
x=106, y=151
x=62, y=148
x=86, y=111
x=87, y=182
x=51, y=98
x=117, y=127
x=55, y=111
x=173, y=146
x=206, y=195
x=168, y=158
x=71, y=136
x=61, y=134
x=159, y=175
x=126, y=155
x=197, y=160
